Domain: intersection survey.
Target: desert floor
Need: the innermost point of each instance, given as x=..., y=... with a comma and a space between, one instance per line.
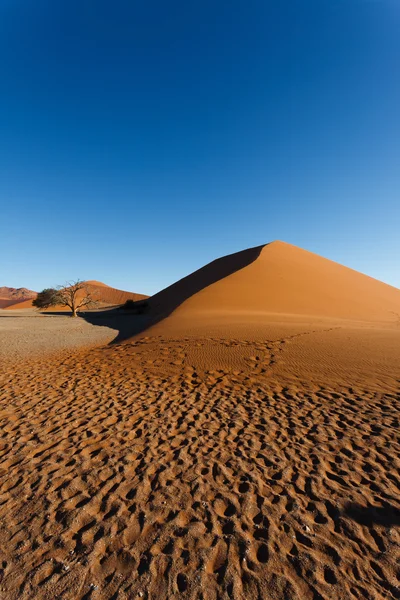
x=252, y=463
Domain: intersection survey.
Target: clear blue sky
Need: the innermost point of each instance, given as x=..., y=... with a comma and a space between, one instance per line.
x=140, y=140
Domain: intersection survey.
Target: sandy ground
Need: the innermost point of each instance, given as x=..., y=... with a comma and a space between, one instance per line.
x=215, y=455
x=26, y=333
x=137, y=471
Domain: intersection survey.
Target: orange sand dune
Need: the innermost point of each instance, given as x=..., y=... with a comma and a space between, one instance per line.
x=10, y=295
x=279, y=278
x=248, y=309
x=104, y=294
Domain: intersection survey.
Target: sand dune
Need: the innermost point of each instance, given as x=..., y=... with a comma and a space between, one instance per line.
x=10, y=295
x=104, y=294
x=280, y=292
x=112, y=296
x=280, y=278
x=245, y=446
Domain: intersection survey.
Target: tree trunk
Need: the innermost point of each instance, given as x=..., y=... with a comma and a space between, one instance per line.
x=74, y=312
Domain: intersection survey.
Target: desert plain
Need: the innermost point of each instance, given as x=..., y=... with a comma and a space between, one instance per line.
x=239, y=439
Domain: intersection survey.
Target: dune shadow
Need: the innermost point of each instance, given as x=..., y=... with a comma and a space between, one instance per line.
x=162, y=304
x=386, y=516
x=127, y=325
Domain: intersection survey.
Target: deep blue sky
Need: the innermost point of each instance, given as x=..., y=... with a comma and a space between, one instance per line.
x=140, y=140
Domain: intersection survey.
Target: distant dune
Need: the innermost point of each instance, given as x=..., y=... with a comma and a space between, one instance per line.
x=278, y=278
x=106, y=296
x=10, y=295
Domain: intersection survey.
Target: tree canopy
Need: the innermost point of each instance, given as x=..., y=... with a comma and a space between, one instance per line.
x=74, y=294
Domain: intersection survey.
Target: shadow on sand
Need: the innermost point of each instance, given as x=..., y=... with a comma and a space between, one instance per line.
x=127, y=325
x=161, y=305
x=386, y=516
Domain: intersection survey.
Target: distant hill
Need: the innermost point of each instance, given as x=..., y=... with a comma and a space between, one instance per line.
x=10, y=295
x=104, y=294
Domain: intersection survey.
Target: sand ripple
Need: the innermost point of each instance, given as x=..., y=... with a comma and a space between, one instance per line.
x=130, y=473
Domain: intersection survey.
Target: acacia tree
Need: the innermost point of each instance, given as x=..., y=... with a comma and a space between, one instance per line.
x=74, y=294
x=45, y=298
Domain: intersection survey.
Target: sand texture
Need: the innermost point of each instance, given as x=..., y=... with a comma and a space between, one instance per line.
x=233, y=448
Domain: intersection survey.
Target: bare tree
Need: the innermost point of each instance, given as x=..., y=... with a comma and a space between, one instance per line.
x=76, y=295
